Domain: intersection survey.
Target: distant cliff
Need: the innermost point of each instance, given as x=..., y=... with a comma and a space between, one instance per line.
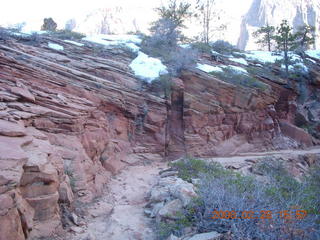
x=261, y=12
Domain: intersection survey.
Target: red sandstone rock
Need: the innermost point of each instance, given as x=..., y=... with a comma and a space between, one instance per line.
x=67, y=125
x=11, y=129
x=23, y=92
x=296, y=133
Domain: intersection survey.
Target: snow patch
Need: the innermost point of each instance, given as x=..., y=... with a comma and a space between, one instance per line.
x=185, y=45
x=239, y=60
x=147, y=68
x=133, y=47
x=129, y=41
x=121, y=38
x=208, y=68
x=30, y=32
x=296, y=67
x=113, y=39
x=74, y=43
x=262, y=56
x=55, y=46
x=238, y=70
x=313, y=53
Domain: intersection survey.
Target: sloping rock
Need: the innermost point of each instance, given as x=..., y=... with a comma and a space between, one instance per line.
x=11, y=129
x=70, y=119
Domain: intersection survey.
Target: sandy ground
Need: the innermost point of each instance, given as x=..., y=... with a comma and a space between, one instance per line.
x=119, y=215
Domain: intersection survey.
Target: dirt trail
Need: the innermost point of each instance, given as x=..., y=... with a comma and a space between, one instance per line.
x=121, y=212
x=246, y=157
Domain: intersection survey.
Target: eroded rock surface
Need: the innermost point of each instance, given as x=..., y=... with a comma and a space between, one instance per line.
x=71, y=119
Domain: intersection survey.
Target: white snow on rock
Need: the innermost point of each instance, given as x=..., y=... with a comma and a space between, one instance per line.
x=296, y=67
x=313, y=53
x=236, y=69
x=147, y=68
x=133, y=47
x=302, y=67
x=74, y=43
x=55, y=46
x=30, y=32
x=121, y=38
x=208, y=68
x=17, y=34
x=130, y=41
x=215, y=53
x=263, y=56
x=185, y=45
x=239, y=60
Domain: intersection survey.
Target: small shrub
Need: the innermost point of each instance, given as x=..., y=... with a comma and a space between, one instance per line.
x=231, y=76
x=265, y=72
x=164, y=229
x=67, y=34
x=223, y=47
x=192, y=168
x=180, y=60
x=202, y=47
x=4, y=34
x=72, y=178
x=35, y=39
x=162, y=86
x=225, y=190
x=163, y=44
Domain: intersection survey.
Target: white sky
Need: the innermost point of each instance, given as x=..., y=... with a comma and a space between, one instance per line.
x=33, y=11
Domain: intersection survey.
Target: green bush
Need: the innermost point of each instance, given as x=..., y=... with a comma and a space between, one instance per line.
x=162, y=86
x=231, y=76
x=192, y=168
x=67, y=35
x=165, y=228
x=265, y=72
x=202, y=47
x=225, y=190
x=223, y=47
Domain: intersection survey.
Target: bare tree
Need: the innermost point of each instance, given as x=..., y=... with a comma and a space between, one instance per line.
x=208, y=14
x=106, y=18
x=71, y=24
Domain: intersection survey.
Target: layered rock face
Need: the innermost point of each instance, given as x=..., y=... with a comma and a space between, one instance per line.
x=70, y=119
x=263, y=12
x=223, y=119
x=64, y=131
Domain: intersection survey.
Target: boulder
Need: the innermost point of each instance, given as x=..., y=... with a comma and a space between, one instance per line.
x=171, y=209
x=159, y=194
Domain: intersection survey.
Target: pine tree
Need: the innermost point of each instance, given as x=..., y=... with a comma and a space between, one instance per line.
x=166, y=31
x=266, y=35
x=285, y=40
x=305, y=37
x=176, y=11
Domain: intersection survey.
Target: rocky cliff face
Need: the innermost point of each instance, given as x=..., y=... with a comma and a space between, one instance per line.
x=261, y=12
x=70, y=119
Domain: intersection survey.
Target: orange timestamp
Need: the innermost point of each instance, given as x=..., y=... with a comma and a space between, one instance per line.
x=262, y=215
